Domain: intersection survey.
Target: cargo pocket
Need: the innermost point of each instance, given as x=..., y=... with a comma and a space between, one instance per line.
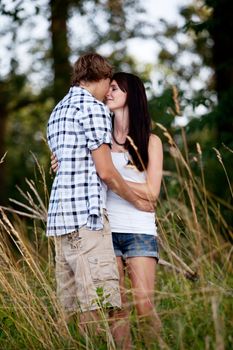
x=103, y=268
x=74, y=240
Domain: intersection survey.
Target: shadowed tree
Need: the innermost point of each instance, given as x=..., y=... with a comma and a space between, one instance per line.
x=13, y=96
x=3, y=119
x=60, y=48
x=220, y=27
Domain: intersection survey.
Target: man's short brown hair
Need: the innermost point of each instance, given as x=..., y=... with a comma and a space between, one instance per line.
x=91, y=67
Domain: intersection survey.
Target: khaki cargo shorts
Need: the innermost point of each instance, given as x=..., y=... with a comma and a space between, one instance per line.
x=86, y=270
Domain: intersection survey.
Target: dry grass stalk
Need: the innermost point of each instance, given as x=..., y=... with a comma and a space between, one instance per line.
x=175, y=95
x=223, y=166
x=217, y=324
x=34, y=319
x=3, y=157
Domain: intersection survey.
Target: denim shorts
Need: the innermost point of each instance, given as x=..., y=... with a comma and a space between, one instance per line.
x=129, y=245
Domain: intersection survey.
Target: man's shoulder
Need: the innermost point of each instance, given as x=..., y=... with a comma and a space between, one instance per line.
x=96, y=106
x=81, y=100
x=86, y=100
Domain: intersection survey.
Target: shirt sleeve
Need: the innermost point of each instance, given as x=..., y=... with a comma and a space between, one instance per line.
x=97, y=125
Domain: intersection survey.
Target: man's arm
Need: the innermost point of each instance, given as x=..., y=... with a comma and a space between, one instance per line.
x=112, y=178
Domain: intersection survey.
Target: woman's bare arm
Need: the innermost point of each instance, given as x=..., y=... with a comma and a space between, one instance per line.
x=151, y=188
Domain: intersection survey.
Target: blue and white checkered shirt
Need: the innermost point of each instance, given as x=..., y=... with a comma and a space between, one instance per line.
x=78, y=124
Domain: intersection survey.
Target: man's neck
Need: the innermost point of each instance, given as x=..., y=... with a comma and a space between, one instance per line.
x=89, y=86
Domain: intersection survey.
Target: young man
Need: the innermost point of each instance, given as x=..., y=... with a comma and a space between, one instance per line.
x=79, y=134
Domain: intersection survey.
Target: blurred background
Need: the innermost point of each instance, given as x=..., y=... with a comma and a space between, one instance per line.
x=180, y=48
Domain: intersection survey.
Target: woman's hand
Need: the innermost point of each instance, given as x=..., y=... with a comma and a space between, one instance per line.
x=54, y=163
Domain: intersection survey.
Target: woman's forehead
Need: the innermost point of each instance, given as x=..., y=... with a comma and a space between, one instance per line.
x=114, y=83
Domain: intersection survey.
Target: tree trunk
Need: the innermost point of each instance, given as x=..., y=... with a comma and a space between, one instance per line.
x=60, y=47
x=3, y=120
x=221, y=29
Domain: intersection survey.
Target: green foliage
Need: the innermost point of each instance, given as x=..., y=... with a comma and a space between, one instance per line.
x=162, y=108
x=26, y=136
x=192, y=329
x=102, y=300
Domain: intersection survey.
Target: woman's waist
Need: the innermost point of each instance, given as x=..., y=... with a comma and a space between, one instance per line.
x=129, y=221
x=126, y=209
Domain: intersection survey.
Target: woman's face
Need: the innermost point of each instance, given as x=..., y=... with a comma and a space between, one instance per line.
x=115, y=98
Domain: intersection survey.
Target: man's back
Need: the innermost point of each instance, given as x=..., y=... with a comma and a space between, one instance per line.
x=77, y=125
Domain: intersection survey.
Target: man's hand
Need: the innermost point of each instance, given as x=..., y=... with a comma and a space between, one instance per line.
x=145, y=205
x=112, y=178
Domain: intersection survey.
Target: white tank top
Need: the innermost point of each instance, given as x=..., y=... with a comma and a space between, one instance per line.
x=123, y=216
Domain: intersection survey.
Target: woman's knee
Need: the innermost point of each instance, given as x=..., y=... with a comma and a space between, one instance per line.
x=144, y=306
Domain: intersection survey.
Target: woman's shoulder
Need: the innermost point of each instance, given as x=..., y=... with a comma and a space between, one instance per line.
x=154, y=141
x=155, y=148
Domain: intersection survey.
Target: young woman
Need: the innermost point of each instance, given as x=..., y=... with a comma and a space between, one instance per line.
x=138, y=156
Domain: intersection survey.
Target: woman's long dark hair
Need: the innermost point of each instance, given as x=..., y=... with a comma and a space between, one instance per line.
x=139, y=118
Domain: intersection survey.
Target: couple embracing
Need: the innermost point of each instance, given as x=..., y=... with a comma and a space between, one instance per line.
x=101, y=211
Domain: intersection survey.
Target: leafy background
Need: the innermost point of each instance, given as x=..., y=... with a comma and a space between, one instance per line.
x=190, y=94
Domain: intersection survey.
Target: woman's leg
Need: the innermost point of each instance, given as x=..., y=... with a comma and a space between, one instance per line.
x=120, y=318
x=142, y=275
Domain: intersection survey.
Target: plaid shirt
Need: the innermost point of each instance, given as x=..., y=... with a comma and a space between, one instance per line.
x=78, y=124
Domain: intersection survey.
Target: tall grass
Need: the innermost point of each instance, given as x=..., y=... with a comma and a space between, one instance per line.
x=194, y=278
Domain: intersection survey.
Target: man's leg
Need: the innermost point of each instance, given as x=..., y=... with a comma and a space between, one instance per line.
x=66, y=288
x=92, y=259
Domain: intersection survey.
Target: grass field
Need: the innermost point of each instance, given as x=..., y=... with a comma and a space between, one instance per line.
x=194, y=289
